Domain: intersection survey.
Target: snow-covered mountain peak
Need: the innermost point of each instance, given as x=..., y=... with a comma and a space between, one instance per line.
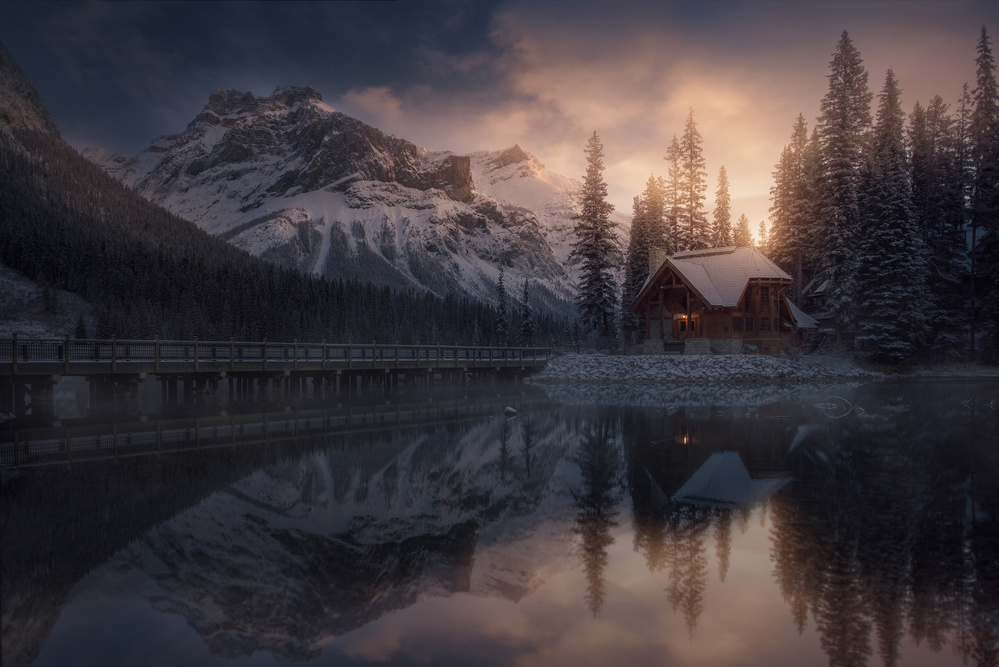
x=290, y=179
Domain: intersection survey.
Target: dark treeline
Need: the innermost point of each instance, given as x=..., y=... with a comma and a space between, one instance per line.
x=66, y=224
x=888, y=221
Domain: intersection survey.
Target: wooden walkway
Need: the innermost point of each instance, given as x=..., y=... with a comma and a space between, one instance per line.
x=30, y=368
x=109, y=357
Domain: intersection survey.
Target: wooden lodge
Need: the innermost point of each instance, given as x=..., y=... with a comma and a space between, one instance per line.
x=722, y=300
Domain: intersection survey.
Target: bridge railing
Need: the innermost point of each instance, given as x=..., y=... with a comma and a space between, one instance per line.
x=20, y=353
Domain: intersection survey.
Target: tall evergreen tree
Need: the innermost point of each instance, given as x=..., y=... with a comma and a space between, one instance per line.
x=891, y=267
x=938, y=196
x=596, y=247
x=527, y=323
x=721, y=217
x=762, y=243
x=843, y=126
x=985, y=196
x=672, y=199
x=693, y=233
x=791, y=207
x=648, y=230
x=634, y=269
x=742, y=237
x=502, y=312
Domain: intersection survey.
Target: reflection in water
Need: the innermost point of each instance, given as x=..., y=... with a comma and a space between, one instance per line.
x=596, y=505
x=880, y=526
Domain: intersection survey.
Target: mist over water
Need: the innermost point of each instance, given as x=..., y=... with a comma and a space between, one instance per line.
x=731, y=525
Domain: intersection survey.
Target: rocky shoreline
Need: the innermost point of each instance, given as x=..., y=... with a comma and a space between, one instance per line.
x=659, y=369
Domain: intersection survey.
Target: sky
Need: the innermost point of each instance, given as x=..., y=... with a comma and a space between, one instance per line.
x=467, y=76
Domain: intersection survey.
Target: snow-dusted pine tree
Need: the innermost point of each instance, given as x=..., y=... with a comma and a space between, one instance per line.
x=742, y=237
x=938, y=197
x=648, y=230
x=891, y=257
x=596, y=249
x=502, y=310
x=528, y=325
x=694, y=233
x=791, y=207
x=672, y=206
x=762, y=242
x=985, y=197
x=843, y=126
x=721, y=217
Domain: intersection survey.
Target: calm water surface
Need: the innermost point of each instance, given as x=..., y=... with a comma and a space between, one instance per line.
x=732, y=525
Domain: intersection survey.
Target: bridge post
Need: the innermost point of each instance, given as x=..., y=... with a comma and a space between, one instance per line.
x=13, y=353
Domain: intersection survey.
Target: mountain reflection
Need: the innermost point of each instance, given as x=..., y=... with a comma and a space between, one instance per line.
x=881, y=526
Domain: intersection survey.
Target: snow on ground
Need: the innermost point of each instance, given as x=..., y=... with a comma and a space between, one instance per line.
x=699, y=368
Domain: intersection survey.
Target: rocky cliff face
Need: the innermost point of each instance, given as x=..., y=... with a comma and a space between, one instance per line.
x=288, y=178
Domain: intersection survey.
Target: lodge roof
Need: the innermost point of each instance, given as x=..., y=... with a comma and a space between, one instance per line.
x=718, y=275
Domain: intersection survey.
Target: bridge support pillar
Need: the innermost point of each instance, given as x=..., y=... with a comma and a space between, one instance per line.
x=7, y=396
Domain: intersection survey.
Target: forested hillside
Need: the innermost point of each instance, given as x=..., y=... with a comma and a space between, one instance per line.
x=66, y=224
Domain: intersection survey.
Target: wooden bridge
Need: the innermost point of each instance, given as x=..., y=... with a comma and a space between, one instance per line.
x=30, y=368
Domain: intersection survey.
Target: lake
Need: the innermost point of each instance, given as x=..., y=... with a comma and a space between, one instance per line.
x=839, y=524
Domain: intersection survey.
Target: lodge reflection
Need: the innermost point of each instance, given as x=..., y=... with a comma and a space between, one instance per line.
x=887, y=529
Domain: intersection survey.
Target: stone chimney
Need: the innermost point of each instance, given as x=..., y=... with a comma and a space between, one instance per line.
x=656, y=258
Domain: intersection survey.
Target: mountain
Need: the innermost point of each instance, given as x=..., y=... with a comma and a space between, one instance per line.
x=314, y=548
x=65, y=224
x=290, y=179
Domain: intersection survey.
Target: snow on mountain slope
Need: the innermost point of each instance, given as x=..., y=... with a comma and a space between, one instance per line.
x=289, y=179
x=515, y=178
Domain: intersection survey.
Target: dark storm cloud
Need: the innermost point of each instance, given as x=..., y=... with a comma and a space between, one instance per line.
x=120, y=73
x=485, y=75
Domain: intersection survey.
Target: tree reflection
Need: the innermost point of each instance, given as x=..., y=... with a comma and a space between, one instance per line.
x=596, y=507
x=879, y=536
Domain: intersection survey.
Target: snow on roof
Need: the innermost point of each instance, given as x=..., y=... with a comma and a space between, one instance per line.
x=802, y=320
x=723, y=478
x=720, y=275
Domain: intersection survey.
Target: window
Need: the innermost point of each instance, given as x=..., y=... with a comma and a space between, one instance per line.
x=683, y=325
x=736, y=324
x=750, y=324
x=764, y=324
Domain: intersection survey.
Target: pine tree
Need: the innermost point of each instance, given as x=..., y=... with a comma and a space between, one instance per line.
x=742, y=236
x=938, y=195
x=527, y=324
x=721, y=217
x=672, y=207
x=648, y=230
x=891, y=266
x=843, y=127
x=985, y=196
x=596, y=248
x=761, y=238
x=502, y=312
x=791, y=206
x=693, y=232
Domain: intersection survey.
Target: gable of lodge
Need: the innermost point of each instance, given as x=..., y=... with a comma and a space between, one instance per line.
x=731, y=296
